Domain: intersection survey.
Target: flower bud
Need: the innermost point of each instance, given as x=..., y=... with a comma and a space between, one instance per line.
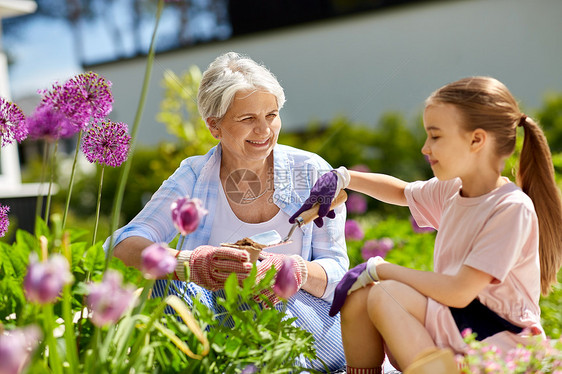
x=374, y=248
x=353, y=231
x=285, y=284
x=156, y=261
x=108, y=300
x=186, y=214
x=16, y=347
x=44, y=280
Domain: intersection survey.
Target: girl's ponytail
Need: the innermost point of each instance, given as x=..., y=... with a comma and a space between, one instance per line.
x=536, y=179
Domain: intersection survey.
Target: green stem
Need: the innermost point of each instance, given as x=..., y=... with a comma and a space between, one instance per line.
x=71, y=343
x=39, y=202
x=127, y=166
x=48, y=207
x=71, y=182
x=54, y=359
x=98, y=207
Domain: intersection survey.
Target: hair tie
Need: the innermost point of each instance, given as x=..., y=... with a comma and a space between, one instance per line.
x=522, y=120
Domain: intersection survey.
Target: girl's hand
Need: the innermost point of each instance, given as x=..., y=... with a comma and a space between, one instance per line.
x=323, y=192
x=356, y=278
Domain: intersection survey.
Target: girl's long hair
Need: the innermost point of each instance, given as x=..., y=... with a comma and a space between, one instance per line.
x=486, y=103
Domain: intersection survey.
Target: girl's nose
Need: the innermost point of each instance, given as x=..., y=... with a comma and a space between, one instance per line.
x=425, y=149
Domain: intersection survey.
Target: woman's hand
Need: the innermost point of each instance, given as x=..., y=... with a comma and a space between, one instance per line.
x=210, y=266
x=276, y=260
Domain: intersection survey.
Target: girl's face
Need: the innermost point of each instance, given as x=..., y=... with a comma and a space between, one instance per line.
x=250, y=128
x=447, y=146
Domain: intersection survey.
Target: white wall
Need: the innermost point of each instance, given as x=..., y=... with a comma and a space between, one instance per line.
x=366, y=65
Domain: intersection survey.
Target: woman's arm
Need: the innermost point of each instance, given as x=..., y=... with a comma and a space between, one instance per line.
x=452, y=290
x=317, y=279
x=380, y=186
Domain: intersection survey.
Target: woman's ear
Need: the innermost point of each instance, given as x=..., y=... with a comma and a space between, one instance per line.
x=478, y=140
x=212, y=124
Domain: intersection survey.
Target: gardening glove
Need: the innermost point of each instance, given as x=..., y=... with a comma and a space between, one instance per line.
x=267, y=260
x=210, y=266
x=323, y=192
x=356, y=278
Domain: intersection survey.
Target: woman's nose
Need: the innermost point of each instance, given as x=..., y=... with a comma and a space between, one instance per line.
x=262, y=126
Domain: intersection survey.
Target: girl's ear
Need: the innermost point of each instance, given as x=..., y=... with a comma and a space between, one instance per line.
x=212, y=124
x=478, y=140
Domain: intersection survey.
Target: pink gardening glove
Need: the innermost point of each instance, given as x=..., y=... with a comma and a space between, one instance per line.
x=267, y=260
x=210, y=266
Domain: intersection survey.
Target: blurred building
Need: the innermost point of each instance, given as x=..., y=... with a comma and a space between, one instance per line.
x=362, y=58
x=18, y=196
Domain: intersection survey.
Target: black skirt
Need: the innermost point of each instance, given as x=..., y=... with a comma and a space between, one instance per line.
x=481, y=320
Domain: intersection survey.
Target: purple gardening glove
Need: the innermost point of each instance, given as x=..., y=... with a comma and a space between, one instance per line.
x=356, y=278
x=323, y=192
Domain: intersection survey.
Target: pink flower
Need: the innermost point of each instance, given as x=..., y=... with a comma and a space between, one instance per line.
x=156, y=261
x=356, y=203
x=418, y=229
x=374, y=248
x=107, y=143
x=44, y=280
x=361, y=167
x=353, y=230
x=16, y=347
x=82, y=98
x=108, y=300
x=285, y=284
x=49, y=124
x=186, y=214
x=12, y=123
x=4, y=220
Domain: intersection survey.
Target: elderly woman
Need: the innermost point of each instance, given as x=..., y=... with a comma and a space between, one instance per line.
x=240, y=102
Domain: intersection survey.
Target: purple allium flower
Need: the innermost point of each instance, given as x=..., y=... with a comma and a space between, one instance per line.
x=12, y=123
x=361, y=167
x=107, y=143
x=157, y=261
x=108, y=300
x=44, y=280
x=4, y=220
x=186, y=214
x=353, y=231
x=249, y=369
x=418, y=229
x=82, y=98
x=374, y=248
x=285, y=284
x=16, y=347
x=49, y=124
x=356, y=203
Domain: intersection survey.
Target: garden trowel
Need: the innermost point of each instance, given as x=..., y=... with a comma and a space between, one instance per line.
x=273, y=238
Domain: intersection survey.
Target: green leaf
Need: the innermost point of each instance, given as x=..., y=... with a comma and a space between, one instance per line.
x=231, y=287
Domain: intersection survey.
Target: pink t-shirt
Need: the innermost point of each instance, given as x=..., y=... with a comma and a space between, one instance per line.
x=496, y=233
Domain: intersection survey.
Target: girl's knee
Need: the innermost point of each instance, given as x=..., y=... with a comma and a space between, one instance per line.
x=383, y=297
x=355, y=305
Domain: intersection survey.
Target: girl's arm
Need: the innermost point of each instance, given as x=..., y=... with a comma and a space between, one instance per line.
x=382, y=187
x=452, y=290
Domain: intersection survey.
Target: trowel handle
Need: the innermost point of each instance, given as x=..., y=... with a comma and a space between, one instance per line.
x=309, y=215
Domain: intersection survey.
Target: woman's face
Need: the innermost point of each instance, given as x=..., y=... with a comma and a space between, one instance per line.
x=250, y=128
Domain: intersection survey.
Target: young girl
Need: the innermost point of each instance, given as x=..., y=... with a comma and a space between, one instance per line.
x=497, y=247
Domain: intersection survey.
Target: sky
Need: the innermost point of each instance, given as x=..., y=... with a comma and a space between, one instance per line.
x=43, y=52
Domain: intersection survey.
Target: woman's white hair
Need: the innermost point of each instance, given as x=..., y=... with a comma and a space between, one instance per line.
x=228, y=74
